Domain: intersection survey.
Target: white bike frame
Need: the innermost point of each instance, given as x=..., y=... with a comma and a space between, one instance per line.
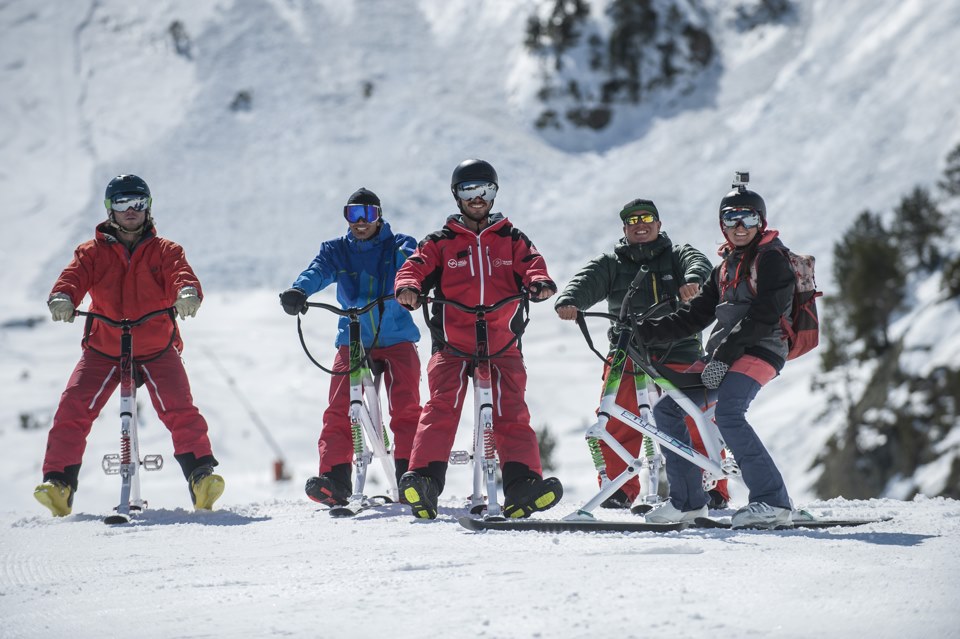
x=484, y=456
x=127, y=462
x=370, y=438
x=715, y=465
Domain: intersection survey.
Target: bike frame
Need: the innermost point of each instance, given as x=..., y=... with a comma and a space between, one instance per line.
x=370, y=438
x=484, y=455
x=652, y=460
x=672, y=384
x=127, y=463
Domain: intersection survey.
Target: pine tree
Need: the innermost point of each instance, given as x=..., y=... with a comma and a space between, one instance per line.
x=867, y=270
x=922, y=223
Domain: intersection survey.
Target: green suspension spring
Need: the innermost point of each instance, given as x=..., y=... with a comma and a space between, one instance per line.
x=594, y=444
x=648, y=448
x=357, y=438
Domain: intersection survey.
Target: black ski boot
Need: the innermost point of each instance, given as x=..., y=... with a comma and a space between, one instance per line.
x=618, y=499
x=420, y=493
x=716, y=500
x=531, y=494
x=327, y=491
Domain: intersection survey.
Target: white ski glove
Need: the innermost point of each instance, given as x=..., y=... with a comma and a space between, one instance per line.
x=713, y=374
x=61, y=307
x=188, y=301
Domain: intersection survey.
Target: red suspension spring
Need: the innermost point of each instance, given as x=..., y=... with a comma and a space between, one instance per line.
x=489, y=446
x=124, y=450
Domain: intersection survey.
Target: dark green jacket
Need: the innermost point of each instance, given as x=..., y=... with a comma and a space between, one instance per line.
x=609, y=275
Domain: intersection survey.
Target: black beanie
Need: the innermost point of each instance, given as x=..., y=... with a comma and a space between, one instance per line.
x=364, y=196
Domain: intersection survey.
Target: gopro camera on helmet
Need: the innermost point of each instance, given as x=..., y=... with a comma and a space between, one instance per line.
x=740, y=180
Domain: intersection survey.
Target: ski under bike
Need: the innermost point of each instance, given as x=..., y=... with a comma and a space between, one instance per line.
x=127, y=462
x=370, y=438
x=484, y=453
x=716, y=464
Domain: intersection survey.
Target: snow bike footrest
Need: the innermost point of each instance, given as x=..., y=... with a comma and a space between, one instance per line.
x=460, y=457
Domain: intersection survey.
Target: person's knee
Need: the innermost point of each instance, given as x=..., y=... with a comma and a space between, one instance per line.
x=669, y=417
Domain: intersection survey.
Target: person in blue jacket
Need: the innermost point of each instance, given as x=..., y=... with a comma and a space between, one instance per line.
x=363, y=264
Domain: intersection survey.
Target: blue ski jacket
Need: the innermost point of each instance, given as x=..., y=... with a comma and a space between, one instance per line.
x=363, y=271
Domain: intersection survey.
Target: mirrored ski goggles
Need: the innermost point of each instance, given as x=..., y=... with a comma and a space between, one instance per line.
x=137, y=202
x=478, y=188
x=748, y=218
x=646, y=218
x=355, y=213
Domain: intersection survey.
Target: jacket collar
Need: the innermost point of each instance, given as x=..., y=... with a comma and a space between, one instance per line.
x=384, y=235
x=643, y=252
x=455, y=222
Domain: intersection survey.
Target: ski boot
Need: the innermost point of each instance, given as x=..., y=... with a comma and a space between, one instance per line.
x=205, y=487
x=420, y=493
x=327, y=491
x=531, y=494
x=56, y=496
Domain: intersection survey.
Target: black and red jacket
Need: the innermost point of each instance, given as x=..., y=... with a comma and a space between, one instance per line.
x=473, y=268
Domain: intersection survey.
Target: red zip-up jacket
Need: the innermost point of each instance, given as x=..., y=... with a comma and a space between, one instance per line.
x=474, y=268
x=127, y=284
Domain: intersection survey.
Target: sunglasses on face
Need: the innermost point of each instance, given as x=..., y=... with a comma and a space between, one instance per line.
x=748, y=218
x=468, y=190
x=646, y=218
x=124, y=202
x=355, y=213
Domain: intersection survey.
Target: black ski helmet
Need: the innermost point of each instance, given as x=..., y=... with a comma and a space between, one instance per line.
x=473, y=170
x=742, y=197
x=126, y=184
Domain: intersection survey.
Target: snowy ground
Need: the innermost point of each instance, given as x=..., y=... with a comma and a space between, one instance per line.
x=283, y=568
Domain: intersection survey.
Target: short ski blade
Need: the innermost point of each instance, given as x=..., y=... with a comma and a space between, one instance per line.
x=707, y=522
x=355, y=508
x=116, y=519
x=561, y=525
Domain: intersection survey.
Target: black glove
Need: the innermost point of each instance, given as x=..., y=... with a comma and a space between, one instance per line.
x=293, y=301
x=713, y=373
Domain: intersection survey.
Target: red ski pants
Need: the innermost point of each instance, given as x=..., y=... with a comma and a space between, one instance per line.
x=92, y=383
x=632, y=439
x=401, y=380
x=447, y=375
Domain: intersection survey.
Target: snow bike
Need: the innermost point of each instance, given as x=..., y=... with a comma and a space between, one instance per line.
x=484, y=454
x=127, y=462
x=370, y=438
x=716, y=464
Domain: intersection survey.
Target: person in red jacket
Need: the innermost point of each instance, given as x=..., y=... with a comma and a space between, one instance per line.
x=478, y=257
x=129, y=272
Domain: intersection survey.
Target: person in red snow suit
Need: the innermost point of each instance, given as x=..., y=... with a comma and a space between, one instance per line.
x=129, y=272
x=478, y=257
x=363, y=264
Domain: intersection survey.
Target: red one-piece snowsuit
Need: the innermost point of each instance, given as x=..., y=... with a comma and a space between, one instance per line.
x=474, y=268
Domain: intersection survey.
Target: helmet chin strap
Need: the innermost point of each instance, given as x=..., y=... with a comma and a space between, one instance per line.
x=147, y=219
x=463, y=211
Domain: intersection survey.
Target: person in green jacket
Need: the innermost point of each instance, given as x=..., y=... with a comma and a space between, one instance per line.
x=676, y=273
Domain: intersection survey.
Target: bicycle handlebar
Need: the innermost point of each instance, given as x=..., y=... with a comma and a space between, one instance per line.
x=479, y=308
x=124, y=322
x=347, y=312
